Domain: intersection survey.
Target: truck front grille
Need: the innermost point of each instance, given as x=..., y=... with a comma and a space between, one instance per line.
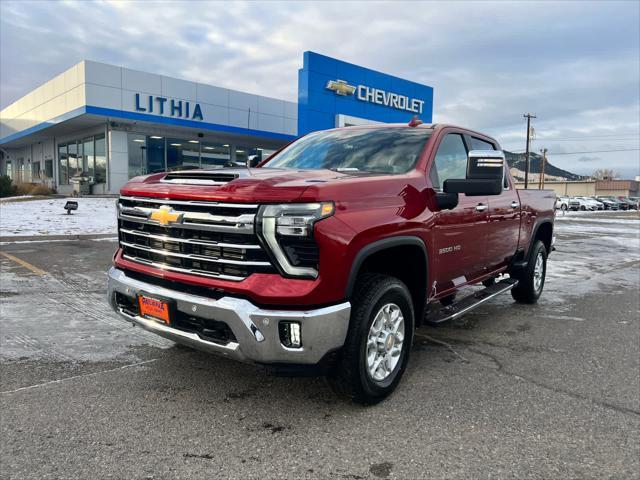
x=201, y=238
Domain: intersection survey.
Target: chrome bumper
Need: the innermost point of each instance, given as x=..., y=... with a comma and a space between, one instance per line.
x=255, y=329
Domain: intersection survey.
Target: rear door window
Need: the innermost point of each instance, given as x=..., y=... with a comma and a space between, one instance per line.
x=477, y=144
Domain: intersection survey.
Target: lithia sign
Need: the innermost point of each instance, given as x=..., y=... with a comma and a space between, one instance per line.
x=174, y=108
x=376, y=95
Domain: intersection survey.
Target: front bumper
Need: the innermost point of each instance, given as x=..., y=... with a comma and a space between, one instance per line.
x=257, y=339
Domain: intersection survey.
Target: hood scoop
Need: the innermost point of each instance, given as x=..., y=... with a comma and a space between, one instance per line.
x=195, y=177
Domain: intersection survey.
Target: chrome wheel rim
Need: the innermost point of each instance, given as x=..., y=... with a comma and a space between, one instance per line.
x=538, y=272
x=384, y=342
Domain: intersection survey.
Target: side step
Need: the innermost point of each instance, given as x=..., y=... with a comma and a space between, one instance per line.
x=470, y=302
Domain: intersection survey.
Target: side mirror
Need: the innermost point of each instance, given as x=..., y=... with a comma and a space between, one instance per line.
x=485, y=173
x=253, y=160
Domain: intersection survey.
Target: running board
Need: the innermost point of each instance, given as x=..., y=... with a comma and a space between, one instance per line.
x=472, y=301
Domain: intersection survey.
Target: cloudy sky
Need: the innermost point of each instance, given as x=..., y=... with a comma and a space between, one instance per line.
x=576, y=65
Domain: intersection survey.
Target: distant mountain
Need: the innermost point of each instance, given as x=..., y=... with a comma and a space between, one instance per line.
x=517, y=162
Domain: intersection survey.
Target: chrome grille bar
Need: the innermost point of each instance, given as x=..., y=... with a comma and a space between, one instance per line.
x=190, y=202
x=164, y=238
x=190, y=256
x=163, y=266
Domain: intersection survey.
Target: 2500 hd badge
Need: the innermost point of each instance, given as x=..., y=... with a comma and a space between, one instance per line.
x=326, y=256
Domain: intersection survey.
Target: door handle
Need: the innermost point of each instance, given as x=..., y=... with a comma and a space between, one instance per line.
x=514, y=204
x=481, y=207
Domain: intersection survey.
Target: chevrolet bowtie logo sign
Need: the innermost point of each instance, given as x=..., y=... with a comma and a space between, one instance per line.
x=341, y=87
x=378, y=96
x=165, y=215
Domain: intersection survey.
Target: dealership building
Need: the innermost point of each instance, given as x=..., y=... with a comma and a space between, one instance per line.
x=107, y=124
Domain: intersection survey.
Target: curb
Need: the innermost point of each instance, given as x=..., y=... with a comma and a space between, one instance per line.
x=46, y=238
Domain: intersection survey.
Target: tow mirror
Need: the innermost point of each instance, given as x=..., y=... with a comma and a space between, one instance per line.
x=485, y=173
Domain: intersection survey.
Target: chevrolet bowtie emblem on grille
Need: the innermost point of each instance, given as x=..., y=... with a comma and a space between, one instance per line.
x=165, y=215
x=341, y=87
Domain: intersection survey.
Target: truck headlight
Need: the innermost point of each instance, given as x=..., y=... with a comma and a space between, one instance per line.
x=287, y=230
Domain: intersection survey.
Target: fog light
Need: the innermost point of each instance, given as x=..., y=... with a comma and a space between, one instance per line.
x=290, y=334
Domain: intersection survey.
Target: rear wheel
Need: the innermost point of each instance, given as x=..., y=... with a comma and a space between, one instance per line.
x=563, y=207
x=377, y=347
x=531, y=280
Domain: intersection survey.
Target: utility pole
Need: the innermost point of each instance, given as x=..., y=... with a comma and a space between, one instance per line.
x=528, y=116
x=544, y=162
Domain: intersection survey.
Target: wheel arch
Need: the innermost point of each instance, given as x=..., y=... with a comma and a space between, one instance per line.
x=543, y=231
x=381, y=257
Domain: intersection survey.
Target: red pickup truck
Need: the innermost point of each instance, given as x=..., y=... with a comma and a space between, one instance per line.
x=327, y=256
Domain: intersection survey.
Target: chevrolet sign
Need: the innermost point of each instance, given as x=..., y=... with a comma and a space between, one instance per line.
x=377, y=96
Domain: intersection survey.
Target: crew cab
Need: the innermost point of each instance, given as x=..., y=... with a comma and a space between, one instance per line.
x=327, y=256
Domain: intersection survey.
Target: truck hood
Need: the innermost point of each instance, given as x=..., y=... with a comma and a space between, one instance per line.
x=257, y=185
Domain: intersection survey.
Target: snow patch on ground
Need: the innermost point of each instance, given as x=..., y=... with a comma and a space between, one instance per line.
x=48, y=217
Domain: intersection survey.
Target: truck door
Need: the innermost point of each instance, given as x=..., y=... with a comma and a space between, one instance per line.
x=459, y=235
x=504, y=218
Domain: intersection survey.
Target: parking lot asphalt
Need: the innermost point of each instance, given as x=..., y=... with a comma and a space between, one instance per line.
x=509, y=391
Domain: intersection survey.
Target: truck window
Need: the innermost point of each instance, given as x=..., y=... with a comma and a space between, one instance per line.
x=377, y=150
x=477, y=144
x=450, y=161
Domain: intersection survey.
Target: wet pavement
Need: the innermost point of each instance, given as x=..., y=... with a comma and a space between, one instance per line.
x=544, y=391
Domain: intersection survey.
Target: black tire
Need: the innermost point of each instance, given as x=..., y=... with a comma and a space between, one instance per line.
x=563, y=207
x=528, y=290
x=350, y=376
x=583, y=208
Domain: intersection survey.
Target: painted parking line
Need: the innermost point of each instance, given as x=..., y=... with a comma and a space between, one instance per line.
x=24, y=264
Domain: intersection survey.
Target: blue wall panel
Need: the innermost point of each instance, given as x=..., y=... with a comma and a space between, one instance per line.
x=318, y=106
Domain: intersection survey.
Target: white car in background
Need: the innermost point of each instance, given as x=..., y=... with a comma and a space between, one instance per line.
x=595, y=204
x=585, y=203
x=562, y=203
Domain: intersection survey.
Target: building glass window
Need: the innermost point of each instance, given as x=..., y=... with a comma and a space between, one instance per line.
x=191, y=154
x=88, y=157
x=9, y=170
x=137, y=148
x=72, y=159
x=48, y=168
x=100, y=159
x=35, y=171
x=63, y=165
x=155, y=154
x=215, y=155
x=182, y=154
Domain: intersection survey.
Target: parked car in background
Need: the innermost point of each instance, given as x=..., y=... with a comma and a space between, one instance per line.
x=562, y=203
x=608, y=203
x=635, y=200
x=621, y=205
x=577, y=203
x=598, y=204
x=631, y=205
x=584, y=203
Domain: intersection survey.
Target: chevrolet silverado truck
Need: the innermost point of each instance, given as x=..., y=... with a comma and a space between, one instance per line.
x=325, y=257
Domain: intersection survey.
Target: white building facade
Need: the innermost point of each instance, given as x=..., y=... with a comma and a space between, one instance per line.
x=109, y=124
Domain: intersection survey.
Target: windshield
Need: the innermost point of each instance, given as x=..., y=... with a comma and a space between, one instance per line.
x=378, y=150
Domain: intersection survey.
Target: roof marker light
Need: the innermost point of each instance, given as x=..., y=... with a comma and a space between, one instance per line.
x=415, y=121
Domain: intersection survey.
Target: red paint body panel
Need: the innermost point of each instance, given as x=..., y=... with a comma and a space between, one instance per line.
x=368, y=208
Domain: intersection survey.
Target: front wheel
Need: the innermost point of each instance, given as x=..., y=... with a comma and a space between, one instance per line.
x=378, y=342
x=563, y=207
x=531, y=280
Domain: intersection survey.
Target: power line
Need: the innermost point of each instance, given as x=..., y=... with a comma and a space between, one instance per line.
x=593, y=136
x=597, y=151
x=587, y=139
